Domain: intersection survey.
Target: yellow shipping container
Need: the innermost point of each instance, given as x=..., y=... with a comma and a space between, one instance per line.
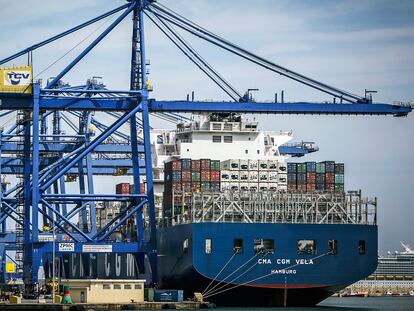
x=16, y=80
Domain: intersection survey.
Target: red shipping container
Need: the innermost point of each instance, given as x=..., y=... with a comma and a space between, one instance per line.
x=329, y=178
x=141, y=188
x=205, y=175
x=311, y=178
x=215, y=176
x=310, y=187
x=301, y=187
x=205, y=164
x=122, y=188
x=195, y=165
x=174, y=165
x=330, y=187
x=186, y=186
x=291, y=187
x=185, y=176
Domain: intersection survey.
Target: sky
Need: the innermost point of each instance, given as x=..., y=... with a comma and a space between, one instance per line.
x=353, y=45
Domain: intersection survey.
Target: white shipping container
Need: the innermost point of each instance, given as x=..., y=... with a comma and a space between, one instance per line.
x=225, y=185
x=244, y=165
x=263, y=176
x=234, y=176
x=253, y=165
x=282, y=179
x=282, y=187
x=263, y=165
x=273, y=165
x=234, y=165
x=282, y=167
x=244, y=176
x=244, y=186
x=273, y=177
x=273, y=186
x=230, y=165
x=263, y=186
x=225, y=176
x=234, y=186
x=253, y=176
x=253, y=186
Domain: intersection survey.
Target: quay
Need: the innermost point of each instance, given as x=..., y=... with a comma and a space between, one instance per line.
x=187, y=305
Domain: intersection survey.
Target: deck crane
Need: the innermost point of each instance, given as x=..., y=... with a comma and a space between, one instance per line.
x=44, y=161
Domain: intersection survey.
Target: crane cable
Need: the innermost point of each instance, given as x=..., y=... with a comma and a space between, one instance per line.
x=75, y=46
x=197, y=30
x=187, y=50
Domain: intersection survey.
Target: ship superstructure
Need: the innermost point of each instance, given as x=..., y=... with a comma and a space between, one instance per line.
x=219, y=136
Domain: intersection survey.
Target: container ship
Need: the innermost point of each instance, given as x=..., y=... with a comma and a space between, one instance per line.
x=241, y=223
x=246, y=227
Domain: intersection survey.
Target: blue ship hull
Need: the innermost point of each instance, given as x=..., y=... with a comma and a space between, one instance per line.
x=281, y=277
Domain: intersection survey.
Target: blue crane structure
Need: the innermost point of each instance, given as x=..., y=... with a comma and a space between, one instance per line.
x=47, y=159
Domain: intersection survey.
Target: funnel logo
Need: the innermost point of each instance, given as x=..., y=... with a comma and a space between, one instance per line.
x=17, y=77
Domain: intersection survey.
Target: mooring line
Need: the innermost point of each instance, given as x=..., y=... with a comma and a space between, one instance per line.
x=231, y=258
x=261, y=277
x=222, y=281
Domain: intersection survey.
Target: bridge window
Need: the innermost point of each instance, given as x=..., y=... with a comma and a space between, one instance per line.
x=106, y=286
x=264, y=246
x=361, y=247
x=228, y=139
x=216, y=139
x=332, y=247
x=208, y=246
x=238, y=246
x=306, y=247
x=216, y=126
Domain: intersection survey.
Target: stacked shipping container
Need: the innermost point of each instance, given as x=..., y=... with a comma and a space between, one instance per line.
x=239, y=174
x=187, y=175
x=311, y=176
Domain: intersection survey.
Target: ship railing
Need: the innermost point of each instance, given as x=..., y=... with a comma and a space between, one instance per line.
x=270, y=207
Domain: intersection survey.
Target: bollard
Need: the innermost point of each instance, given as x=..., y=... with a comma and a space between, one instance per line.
x=66, y=295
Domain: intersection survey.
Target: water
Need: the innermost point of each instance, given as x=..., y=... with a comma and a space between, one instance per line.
x=349, y=304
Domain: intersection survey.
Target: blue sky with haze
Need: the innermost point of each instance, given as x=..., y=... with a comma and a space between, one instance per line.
x=349, y=44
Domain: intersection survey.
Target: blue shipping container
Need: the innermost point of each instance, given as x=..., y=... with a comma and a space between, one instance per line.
x=168, y=295
x=311, y=167
x=291, y=167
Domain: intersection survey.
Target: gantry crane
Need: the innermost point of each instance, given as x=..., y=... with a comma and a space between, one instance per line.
x=46, y=160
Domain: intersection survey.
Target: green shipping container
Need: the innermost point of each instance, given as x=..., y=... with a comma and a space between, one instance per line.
x=320, y=167
x=215, y=165
x=301, y=168
x=339, y=178
x=205, y=186
x=195, y=176
x=339, y=188
x=149, y=294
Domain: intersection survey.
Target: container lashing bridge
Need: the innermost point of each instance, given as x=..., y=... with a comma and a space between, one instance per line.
x=44, y=160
